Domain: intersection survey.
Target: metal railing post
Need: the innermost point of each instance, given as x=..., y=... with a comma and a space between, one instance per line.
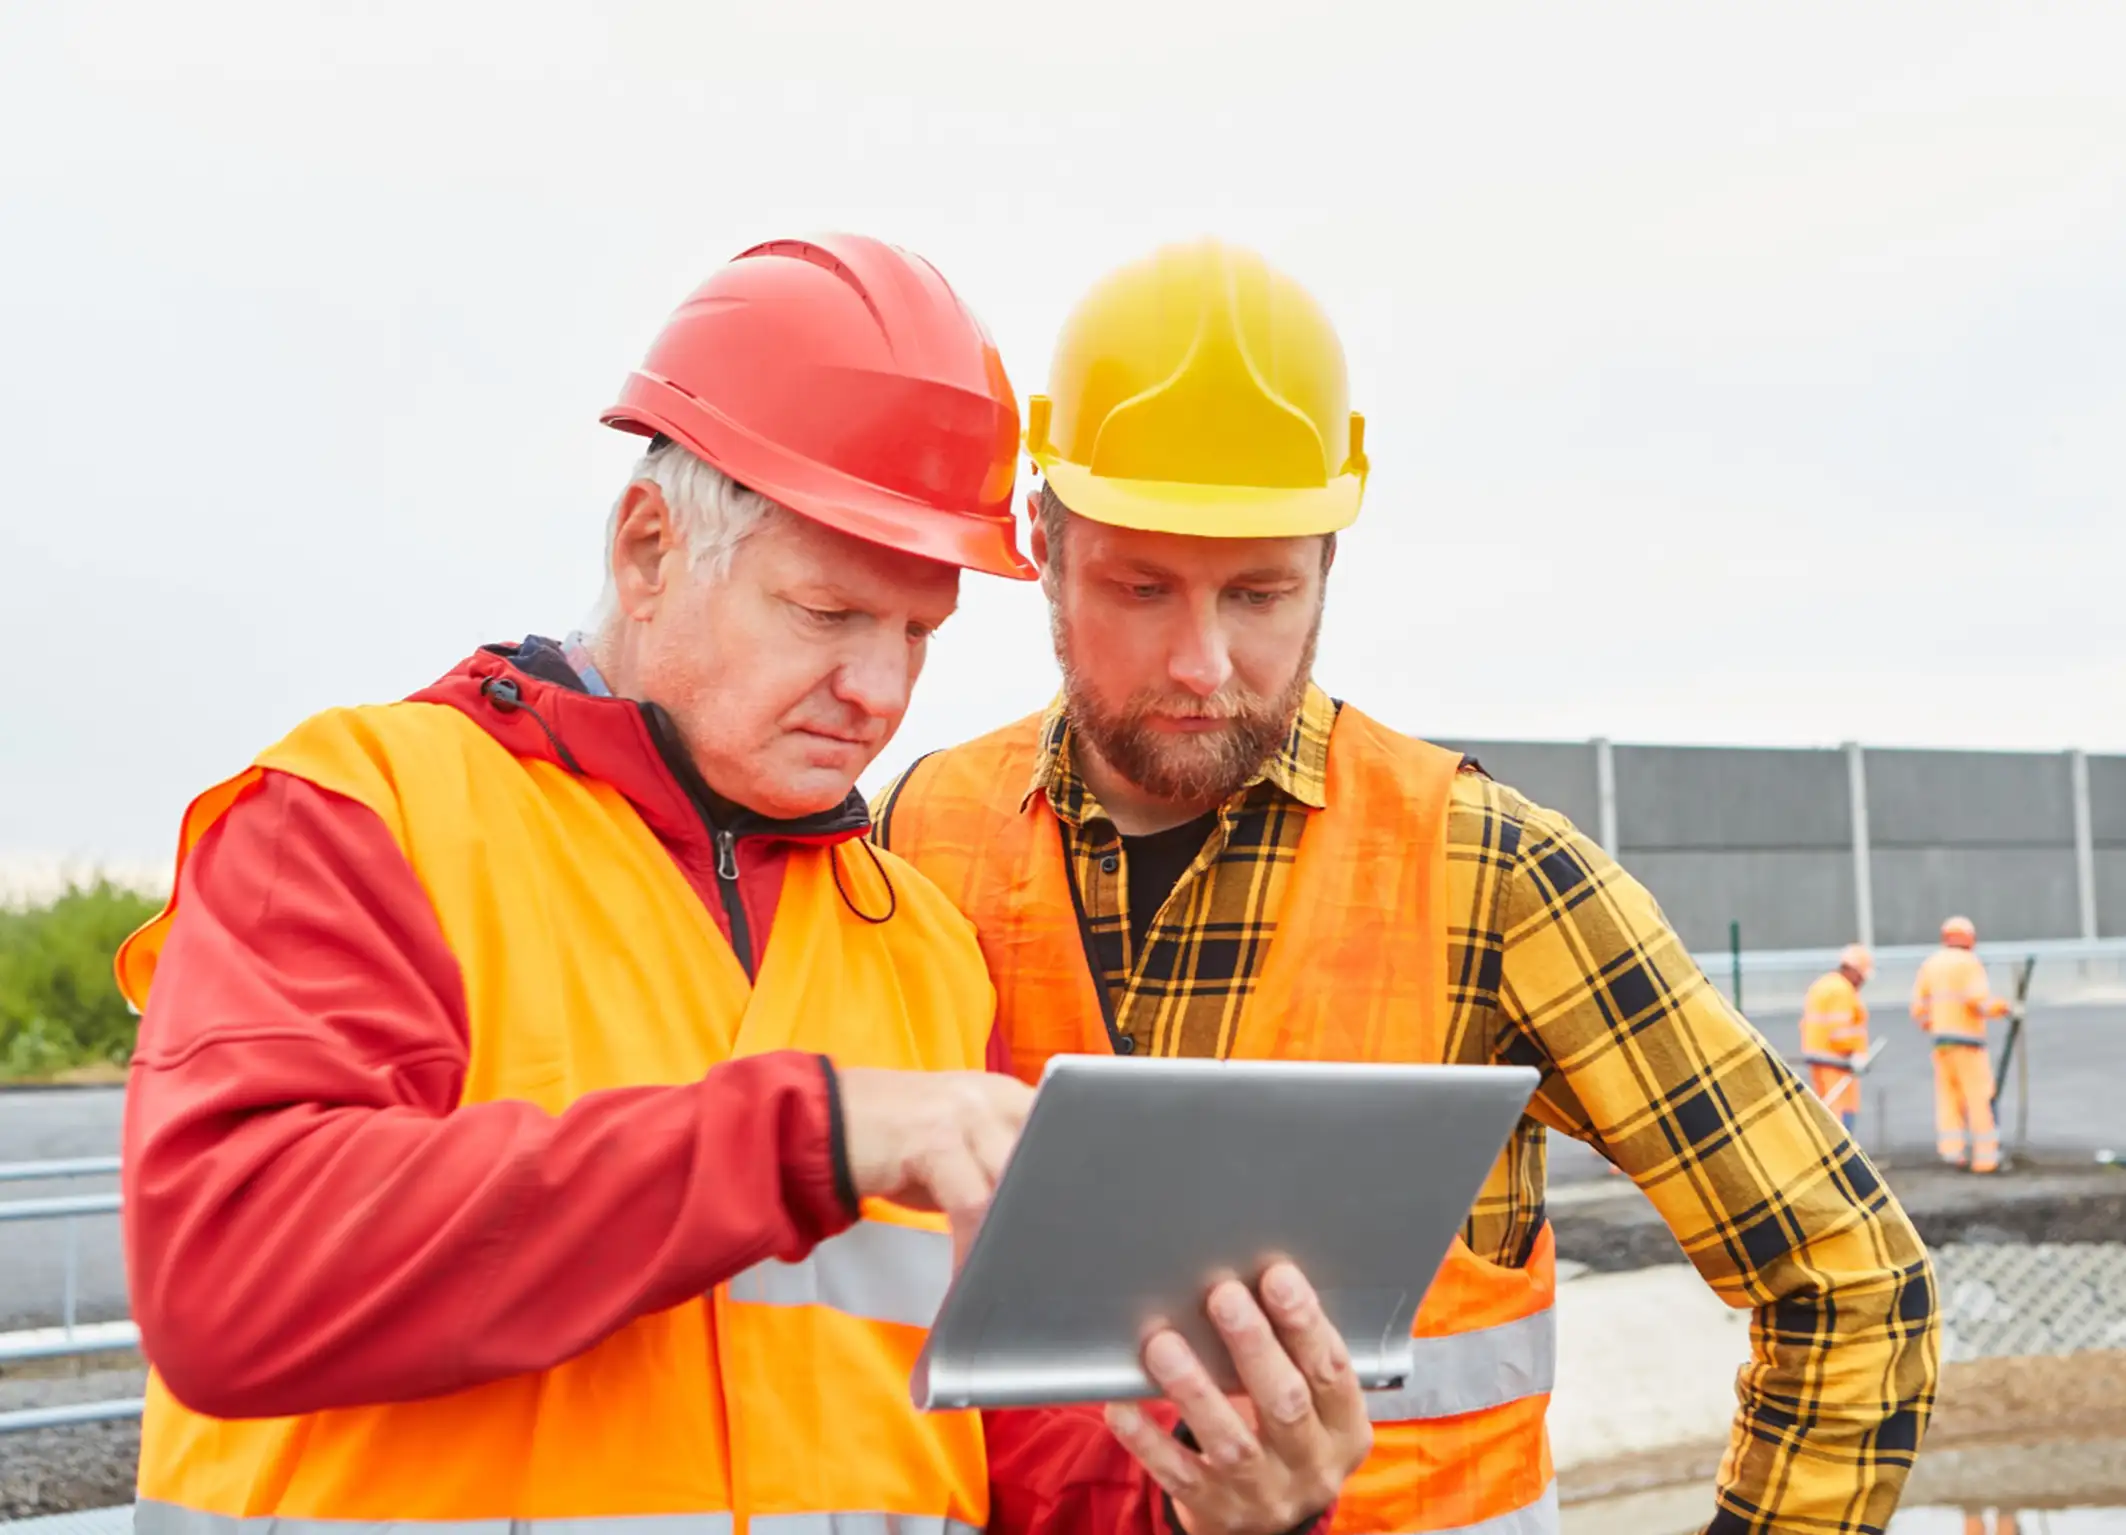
x=70, y=1303
x=2022, y=1096
x=1734, y=959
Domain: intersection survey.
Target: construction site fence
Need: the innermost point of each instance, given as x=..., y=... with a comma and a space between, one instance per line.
x=2067, y=973
x=71, y=1338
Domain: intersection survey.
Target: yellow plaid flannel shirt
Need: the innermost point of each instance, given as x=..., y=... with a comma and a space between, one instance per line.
x=1558, y=959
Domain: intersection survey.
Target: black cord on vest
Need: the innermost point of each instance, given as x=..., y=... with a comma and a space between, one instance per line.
x=893, y=896
x=507, y=698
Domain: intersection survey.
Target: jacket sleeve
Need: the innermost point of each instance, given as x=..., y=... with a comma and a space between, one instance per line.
x=1767, y=1196
x=1059, y=1471
x=313, y=1220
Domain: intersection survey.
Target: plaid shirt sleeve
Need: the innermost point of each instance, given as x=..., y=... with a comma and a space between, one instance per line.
x=1766, y=1194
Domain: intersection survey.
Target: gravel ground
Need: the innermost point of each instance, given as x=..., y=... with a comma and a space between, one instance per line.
x=64, y=1469
x=2065, y=1201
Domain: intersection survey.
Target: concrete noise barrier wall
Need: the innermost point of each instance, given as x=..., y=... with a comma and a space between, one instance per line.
x=1813, y=848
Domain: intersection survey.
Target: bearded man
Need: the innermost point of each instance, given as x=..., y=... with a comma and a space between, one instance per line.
x=1196, y=851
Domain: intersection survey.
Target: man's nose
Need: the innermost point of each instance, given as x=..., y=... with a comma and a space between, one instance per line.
x=1198, y=657
x=878, y=677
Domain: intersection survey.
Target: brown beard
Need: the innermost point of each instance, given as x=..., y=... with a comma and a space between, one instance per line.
x=1205, y=769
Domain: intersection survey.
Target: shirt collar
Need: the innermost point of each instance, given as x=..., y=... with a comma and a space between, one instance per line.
x=1299, y=769
x=577, y=649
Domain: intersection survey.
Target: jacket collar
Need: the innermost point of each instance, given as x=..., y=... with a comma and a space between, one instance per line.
x=530, y=699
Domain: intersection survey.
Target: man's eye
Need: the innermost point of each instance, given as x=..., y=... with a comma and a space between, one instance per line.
x=828, y=617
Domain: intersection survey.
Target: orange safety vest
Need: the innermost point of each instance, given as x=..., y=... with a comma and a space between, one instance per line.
x=1952, y=998
x=1357, y=972
x=777, y=1403
x=1834, y=1023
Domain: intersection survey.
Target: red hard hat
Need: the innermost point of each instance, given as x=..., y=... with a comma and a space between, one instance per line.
x=843, y=378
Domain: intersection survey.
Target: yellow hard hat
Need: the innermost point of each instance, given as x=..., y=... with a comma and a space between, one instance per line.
x=1199, y=390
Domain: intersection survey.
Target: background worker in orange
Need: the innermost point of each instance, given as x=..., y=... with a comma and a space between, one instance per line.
x=1198, y=852
x=1834, y=1031
x=541, y=1080
x=1952, y=999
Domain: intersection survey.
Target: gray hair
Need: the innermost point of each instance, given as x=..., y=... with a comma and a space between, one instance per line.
x=712, y=512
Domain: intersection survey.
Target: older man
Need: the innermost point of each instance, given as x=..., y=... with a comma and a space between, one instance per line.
x=542, y=1086
x=1198, y=852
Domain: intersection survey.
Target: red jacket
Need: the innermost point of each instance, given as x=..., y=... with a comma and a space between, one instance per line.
x=305, y=1043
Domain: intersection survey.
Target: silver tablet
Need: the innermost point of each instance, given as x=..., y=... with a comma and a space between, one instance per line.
x=1137, y=1184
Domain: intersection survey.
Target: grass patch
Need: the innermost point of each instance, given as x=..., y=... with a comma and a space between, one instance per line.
x=61, y=1017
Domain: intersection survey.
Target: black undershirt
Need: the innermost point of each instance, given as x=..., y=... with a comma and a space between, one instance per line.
x=1156, y=862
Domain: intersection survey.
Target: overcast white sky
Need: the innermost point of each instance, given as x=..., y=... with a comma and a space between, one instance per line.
x=1732, y=374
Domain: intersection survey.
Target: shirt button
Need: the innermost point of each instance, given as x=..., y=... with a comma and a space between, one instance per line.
x=1125, y=1046
x=1109, y=864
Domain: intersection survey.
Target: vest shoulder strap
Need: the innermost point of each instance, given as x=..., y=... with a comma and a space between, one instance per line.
x=350, y=752
x=953, y=806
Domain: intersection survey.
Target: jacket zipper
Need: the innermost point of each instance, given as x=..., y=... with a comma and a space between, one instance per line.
x=664, y=735
x=734, y=904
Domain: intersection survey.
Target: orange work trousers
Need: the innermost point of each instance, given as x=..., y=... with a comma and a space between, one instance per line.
x=1964, y=1131
x=2003, y=1523
x=1839, y=1090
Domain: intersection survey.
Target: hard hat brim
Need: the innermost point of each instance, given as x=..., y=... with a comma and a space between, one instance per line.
x=972, y=540
x=1205, y=511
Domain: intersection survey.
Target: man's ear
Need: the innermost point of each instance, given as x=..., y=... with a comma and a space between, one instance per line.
x=642, y=536
x=1038, y=542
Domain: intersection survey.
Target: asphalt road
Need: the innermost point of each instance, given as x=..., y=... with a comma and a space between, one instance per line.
x=2077, y=1106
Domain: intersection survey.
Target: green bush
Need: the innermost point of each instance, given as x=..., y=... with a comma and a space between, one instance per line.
x=59, y=1007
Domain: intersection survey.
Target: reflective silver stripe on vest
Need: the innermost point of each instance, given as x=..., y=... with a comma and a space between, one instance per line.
x=1538, y=1518
x=860, y=1524
x=1944, y=1039
x=151, y=1518
x=1470, y=1371
x=882, y=1272
x=1834, y=1062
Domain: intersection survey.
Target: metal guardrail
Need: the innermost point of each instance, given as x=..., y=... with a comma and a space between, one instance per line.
x=70, y=1338
x=2070, y=971
x=62, y=1207
x=63, y=1342
x=25, y=1419
x=57, y=1169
